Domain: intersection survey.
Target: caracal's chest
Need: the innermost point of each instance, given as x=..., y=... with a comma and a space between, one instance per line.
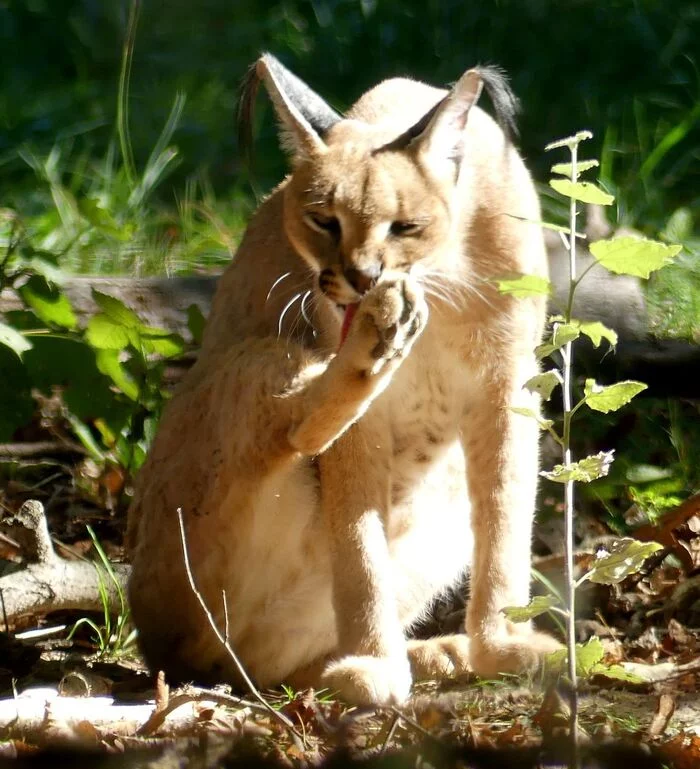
x=423, y=407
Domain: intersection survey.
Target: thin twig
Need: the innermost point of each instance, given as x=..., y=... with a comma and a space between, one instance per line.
x=568, y=355
x=241, y=670
x=39, y=448
x=4, y=613
x=390, y=733
x=415, y=725
x=226, y=626
x=194, y=694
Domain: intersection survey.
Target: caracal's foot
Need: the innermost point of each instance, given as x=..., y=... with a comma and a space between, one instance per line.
x=506, y=653
x=371, y=681
x=387, y=323
x=439, y=658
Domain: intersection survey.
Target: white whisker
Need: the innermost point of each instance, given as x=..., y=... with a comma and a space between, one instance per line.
x=284, y=312
x=275, y=284
x=452, y=289
x=303, y=308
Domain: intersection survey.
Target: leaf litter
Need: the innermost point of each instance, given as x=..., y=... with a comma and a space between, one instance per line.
x=71, y=698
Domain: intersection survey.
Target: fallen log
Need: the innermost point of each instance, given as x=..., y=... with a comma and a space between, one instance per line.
x=45, y=582
x=670, y=367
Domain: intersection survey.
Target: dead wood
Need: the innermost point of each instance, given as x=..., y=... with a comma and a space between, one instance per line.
x=46, y=582
x=42, y=716
x=40, y=449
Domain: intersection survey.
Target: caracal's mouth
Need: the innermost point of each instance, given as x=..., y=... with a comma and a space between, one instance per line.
x=348, y=311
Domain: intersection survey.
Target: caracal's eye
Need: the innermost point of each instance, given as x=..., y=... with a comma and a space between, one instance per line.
x=404, y=228
x=321, y=223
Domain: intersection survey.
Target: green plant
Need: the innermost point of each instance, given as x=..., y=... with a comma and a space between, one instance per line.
x=108, y=374
x=113, y=637
x=624, y=255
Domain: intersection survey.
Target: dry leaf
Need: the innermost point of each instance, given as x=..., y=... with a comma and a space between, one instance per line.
x=665, y=708
x=682, y=751
x=162, y=692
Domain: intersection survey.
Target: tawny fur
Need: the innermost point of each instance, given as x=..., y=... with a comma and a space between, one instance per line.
x=329, y=496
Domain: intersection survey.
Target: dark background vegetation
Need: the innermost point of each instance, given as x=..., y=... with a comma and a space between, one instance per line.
x=626, y=70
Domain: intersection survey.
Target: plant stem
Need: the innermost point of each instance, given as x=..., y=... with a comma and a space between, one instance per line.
x=123, y=94
x=569, y=487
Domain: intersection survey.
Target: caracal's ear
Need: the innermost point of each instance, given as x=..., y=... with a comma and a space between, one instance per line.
x=304, y=116
x=439, y=136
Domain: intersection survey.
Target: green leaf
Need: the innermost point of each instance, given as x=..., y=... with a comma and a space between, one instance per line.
x=103, y=333
x=14, y=340
x=679, y=227
x=166, y=345
x=84, y=435
x=616, y=672
x=588, y=655
x=586, y=192
x=642, y=473
x=624, y=557
x=44, y=264
x=584, y=471
x=582, y=165
x=612, y=397
x=49, y=304
x=547, y=225
x=544, y=424
x=71, y=365
x=544, y=384
x=545, y=349
x=569, y=141
x=596, y=332
x=196, y=323
x=563, y=333
x=521, y=286
x=588, y=658
x=633, y=256
x=100, y=218
x=538, y=605
x=116, y=310
x=109, y=364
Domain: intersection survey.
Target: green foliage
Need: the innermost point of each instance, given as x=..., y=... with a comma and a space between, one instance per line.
x=630, y=256
x=521, y=286
x=17, y=342
x=589, y=663
x=586, y=192
x=633, y=256
x=612, y=397
x=584, y=471
x=113, y=638
x=540, y=604
x=544, y=384
x=108, y=374
x=103, y=112
x=623, y=558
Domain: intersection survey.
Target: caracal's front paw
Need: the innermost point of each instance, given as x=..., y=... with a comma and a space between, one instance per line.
x=522, y=653
x=373, y=681
x=388, y=321
x=439, y=658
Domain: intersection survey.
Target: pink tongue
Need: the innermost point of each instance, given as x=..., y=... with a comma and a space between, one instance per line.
x=350, y=311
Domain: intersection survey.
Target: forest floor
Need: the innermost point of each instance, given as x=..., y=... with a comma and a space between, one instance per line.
x=62, y=692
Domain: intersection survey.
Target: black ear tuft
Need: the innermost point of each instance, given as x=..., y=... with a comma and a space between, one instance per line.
x=304, y=116
x=246, y=110
x=505, y=103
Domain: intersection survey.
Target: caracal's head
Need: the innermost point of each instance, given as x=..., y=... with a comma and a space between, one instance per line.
x=368, y=199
